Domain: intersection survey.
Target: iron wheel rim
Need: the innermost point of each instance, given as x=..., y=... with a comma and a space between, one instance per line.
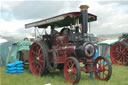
x=103, y=68
x=72, y=70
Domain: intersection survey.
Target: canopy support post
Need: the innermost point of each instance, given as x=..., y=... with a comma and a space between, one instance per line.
x=89, y=28
x=35, y=32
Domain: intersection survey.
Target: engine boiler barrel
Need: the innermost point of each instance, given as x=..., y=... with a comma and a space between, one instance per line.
x=86, y=50
x=84, y=18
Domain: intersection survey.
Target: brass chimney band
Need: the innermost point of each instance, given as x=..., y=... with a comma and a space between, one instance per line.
x=84, y=7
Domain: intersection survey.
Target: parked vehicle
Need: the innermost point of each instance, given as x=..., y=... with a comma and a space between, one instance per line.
x=68, y=48
x=119, y=51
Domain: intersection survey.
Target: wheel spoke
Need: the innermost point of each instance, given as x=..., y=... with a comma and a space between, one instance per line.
x=39, y=68
x=39, y=51
x=121, y=59
x=124, y=49
x=106, y=70
x=68, y=65
x=33, y=62
x=103, y=75
x=103, y=68
x=115, y=52
x=41, y=57
x=120, y=47
x=124, y=58
x=71, y=76
x=35, y=68
x=74, y=71
x=34, y=52
x=41, y=61
x=117, y=55
x=72, y=65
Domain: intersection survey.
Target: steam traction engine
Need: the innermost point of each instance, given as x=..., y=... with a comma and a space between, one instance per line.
x=67, y=49
x=119, y=51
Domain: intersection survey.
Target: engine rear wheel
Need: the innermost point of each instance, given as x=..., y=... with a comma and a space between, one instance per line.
x=119, y=53
x=37, y=59
x=103, y=68
x=72, y=70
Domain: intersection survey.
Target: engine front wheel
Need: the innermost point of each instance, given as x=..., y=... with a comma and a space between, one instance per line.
x=103, y=68
x=72, y=70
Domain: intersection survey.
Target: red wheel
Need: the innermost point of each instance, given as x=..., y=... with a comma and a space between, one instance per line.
x=37, y=61
x=119, y=53
x=103, y=68
x=72, y=70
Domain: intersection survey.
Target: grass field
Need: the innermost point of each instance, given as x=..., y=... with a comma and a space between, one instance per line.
x=119, y=77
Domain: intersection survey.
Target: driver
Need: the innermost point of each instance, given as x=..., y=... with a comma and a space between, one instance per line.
x=65, y=32
x=53, y=31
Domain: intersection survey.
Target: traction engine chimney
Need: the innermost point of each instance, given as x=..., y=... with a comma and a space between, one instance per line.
x=84, y=19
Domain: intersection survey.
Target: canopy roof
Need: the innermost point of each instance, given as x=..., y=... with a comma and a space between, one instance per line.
x=59, y=21
x=108, y=42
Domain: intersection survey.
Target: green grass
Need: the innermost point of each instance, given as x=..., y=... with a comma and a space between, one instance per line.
x=119, y=77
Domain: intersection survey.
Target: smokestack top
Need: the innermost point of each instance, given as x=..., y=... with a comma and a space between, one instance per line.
x=84, y=7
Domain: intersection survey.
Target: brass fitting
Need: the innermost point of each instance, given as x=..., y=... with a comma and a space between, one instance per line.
x=84, y=7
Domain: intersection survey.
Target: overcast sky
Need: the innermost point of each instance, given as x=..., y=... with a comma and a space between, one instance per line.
x=14, y=14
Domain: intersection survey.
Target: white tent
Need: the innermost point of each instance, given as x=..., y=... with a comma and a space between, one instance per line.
x=4, y=49
x=2, y=40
